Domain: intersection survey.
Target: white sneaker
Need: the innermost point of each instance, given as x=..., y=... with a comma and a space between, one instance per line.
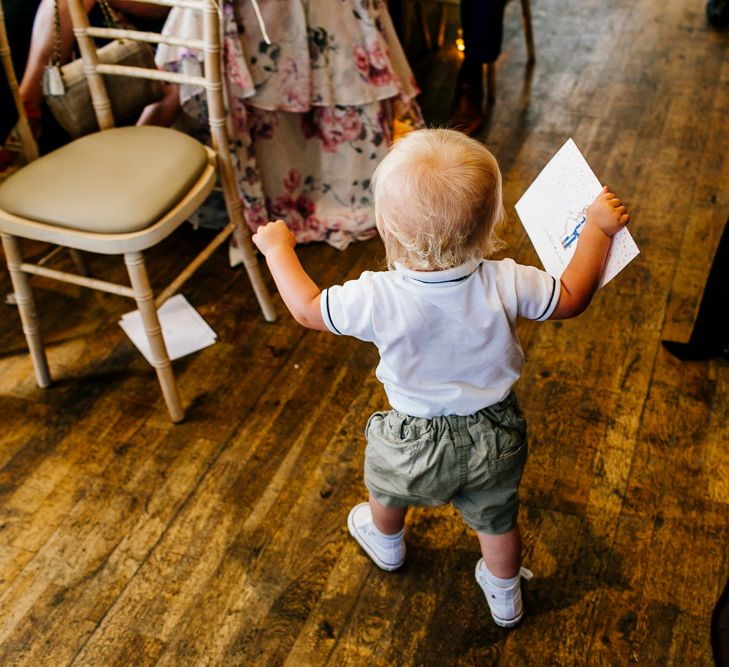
x=386, y=551
x=504, y=602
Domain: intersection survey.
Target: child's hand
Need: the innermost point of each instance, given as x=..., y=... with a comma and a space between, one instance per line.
x=272, y=235
x=607, y=213
x=298, y=291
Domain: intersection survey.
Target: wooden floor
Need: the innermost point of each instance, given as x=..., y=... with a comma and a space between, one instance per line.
x=125, y=540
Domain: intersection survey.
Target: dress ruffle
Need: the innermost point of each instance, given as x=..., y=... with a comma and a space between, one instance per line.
x=314, y=47
x=312, y=112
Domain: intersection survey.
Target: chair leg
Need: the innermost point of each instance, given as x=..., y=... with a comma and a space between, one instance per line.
x=243, y=239
x=491, y=81
x=240, y=231
x=441, y=26
x=526, y=19
x=424, y=29
x=160, y=359
x=26, y=306
x=79, y=261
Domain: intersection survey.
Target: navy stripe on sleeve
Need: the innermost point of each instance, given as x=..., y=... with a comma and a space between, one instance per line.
x=551, y=296
x=329, y=314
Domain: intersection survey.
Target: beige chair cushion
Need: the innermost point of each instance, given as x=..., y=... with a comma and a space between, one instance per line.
x=111, y=182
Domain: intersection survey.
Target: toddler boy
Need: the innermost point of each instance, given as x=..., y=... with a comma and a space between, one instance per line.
x=443, y=320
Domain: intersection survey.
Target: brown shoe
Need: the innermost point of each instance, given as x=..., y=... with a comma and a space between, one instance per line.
x=467, y=113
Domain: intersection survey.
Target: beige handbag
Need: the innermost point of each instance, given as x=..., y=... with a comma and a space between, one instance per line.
x=67, y=92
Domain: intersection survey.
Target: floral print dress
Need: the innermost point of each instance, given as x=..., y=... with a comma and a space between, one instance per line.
x=312, y=111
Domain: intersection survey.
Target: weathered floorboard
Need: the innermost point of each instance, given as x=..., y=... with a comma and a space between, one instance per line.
x=222, y=540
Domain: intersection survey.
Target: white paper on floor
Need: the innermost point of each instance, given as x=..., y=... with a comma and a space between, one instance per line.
x=184, y=330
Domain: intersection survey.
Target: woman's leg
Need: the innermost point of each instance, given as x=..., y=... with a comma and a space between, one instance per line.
x=483, y=28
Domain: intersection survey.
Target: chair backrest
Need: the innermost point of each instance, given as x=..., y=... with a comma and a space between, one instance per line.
x=211, y=80
x=28, y=143
x=210, y=46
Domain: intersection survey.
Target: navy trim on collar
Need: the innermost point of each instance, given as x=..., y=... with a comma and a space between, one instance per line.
x=459, y=273
x=441, y=282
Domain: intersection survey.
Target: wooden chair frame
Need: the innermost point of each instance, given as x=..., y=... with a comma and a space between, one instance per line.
x=28, y=144
x=27, y=141
x=131, y=245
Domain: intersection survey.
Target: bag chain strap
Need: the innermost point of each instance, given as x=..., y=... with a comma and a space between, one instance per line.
x=109, y=16
x=109, y=19
x=56, y=61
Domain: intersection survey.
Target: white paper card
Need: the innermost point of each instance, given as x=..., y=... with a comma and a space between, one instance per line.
x=552, y=211
x=184, y=330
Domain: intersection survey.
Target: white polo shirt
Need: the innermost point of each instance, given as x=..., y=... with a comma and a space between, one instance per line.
x=446, y=339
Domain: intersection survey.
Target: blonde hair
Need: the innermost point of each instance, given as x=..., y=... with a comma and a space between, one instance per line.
x=438, y=200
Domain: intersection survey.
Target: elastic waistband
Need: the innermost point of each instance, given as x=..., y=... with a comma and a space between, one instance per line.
x=455, y=421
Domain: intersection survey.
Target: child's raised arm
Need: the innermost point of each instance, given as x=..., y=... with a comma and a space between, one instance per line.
x=298, y=291
x=606, y=216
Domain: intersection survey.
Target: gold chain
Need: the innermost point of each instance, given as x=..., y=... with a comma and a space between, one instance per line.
x=56, y=34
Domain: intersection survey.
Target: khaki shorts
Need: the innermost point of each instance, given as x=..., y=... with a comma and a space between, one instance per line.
x=474, y=462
